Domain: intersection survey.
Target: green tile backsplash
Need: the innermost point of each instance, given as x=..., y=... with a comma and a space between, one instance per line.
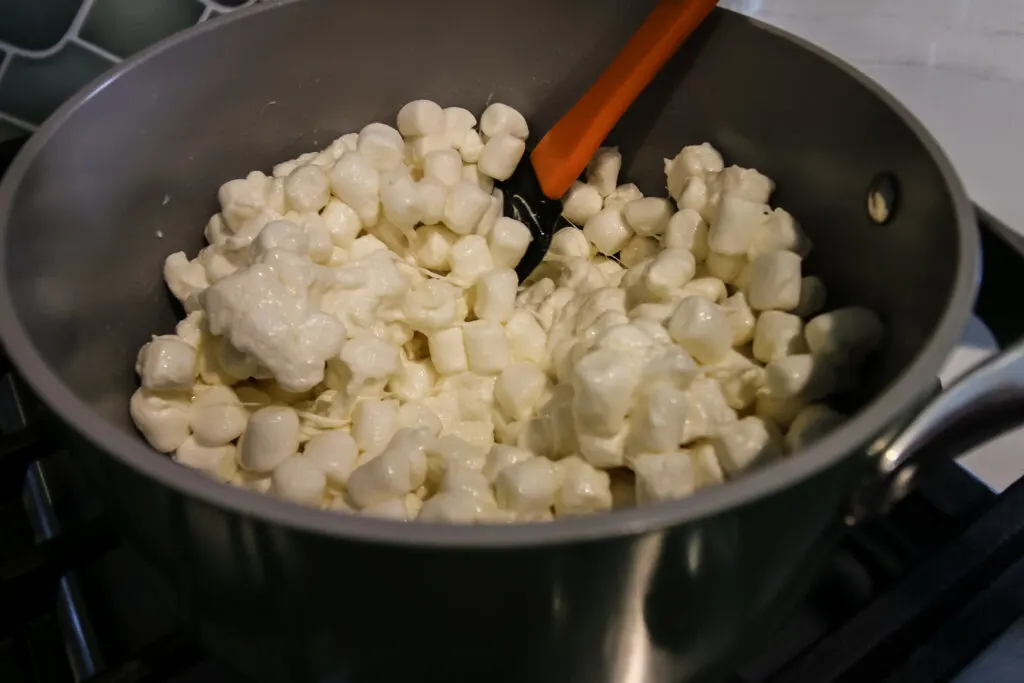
x=51, y=48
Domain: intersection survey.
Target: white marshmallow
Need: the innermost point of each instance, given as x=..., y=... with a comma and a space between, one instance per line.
x=487, y=347
x=708, y=394
x=603, y=382
x=741, y=318
x=584, y=489
x=663, y=476
x=271, y=438
x=244, y=198
x=778, y=335
x=845, y=334
x=216, y=461
x=421, y=117
x=622, y=195
x=454, y=507
x=342, y=222
x=687, y=230
x=500, y=156
x=477, y=433
x=471, y=147
x=774, y=281
x=605, y=452
x=812, y=297
x=335, y=454
x=812, y=423
x=470, y=258
x=496, y=295
x=527, y=339
x=747, y=183
x=474, y=394
x=356, y=182
x=299, y=481
x=418, y=415
x=431, y=198
x=781, y=411
x=458, y=122
x=568, y=243
x=186, y=279
x=508, y=240
x=501, y=456
x=412, y=380
x=528, y=488
x=444, y=165
x=400, y=509
x=639, y=249
x=726, y=268
x=433, y=246
x=801, y=375
x=737, y=222
x=664, y=415
x=667, y=272
x=581, y=203
x=465, y=206
x=692, y=161
x=400, y=199
x=385, y=152
x=706, y=469
x=695, y=196
x=740, y=381
x=491, y=214
x=501, y=119
x=374, y=423
x=608, y=231
x=603, y=171
x=167, y=363
x=218, y=418
x=744, y=444
x=190, y=328
x=700, y=327
x=307, y=189
x=369, y=358
x=710, y=288
x=450, y=452
x=448, y=350
x=518, y=390
x=649, y=216
x=431, y=305
x=780, y=231
x=401, y=468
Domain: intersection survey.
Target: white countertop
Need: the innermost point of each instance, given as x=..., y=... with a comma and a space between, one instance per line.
x=959, y=66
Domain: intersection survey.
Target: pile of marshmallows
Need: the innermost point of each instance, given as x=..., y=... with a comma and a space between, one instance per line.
x=357, y=339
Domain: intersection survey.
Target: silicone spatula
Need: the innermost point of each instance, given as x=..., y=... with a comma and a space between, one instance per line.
x=532, y=194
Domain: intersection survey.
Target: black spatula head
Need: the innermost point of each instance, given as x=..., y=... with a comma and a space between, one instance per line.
x=525, y=202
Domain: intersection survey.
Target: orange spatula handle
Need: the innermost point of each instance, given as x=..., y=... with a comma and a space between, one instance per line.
x=564, y=152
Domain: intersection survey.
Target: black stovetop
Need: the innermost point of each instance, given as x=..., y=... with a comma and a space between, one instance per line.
x=910, y=597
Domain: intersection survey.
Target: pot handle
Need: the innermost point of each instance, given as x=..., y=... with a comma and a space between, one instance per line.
x=982, y=404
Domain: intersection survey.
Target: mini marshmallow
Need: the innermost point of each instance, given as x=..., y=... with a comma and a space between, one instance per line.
x=812, y=423
x=710, y=288
x=526, y=339
x=342, y=222
x=687, y=230
x=500, y=156
x=465, y=206
x=374, y=423
x=667, y=272
x=448, y=351
x=477, y=433
x=417, y=415
x=369, y=358
x=501, y=119
x=458, y=122
x=473, y=393
x=518, y=390
x=167, y=363
x=812, y=297
x=307, y=189
x=501, y=456
x=470, y=258
x=801, y=375
x=491, y=214
x=663, y=476
x=454, y=507
x=190, y=328
x=400, y=509
x=726, y=268
x=603, y=382
x=444, y=165
x=412, y=380
x=660, y=418
x=334, y=453
x=400, y=469
x=431, y=305
x=622, y=195
x=300, y=481
x=695, y=196
x=744, y=444
x=740, y=383
x=605, y=452
x=433, y=246
x=528, y=488
x=496, y=295
x=186, y=279
x=383, y=151
x=581, y=203
x=568, y=243
x=649, y=216
x=356, y=182
x=218, y=418
x=702, y=329
x=774, y=281
x=639, y=249
x=271, y=438
x=449, y=452
x=709, y=396
x=706, y=469
x=431, y=198
x=584, y=489
x=737, y=222
x=845, y=334
x=471, y=147
x=508, y=240
x=692, y=161
x=216, y=461
x=608, y=231
x=741, y=318
x=244, y=198
x=778, y=335
x=487, y=347
x=747, y=183
x=780, y=231
x=603, y=171
x=421, y=117
x=778, y=410
x=400, y=199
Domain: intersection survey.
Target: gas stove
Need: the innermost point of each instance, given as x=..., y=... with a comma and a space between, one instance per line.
x=918, y=595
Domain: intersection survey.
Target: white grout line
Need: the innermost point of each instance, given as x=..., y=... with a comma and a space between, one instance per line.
x=72, y=32
x=95, y=49
x=4, y=116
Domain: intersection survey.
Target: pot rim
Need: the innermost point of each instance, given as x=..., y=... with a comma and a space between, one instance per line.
x=846, y=441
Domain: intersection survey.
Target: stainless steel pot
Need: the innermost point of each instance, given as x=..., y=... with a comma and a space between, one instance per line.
x=660, y=593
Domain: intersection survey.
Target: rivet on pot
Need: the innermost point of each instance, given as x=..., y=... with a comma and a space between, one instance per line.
x=882, y=198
